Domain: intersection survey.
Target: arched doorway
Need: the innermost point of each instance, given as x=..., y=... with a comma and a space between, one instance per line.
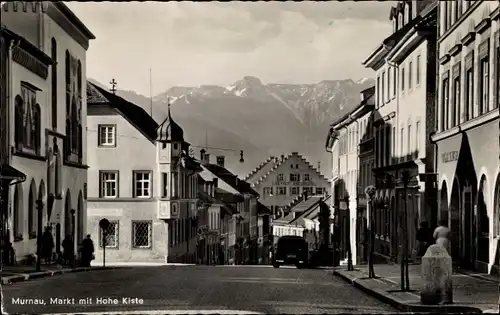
x=81, y=219
x=18, y=213
x=496, y=223
x=454, y=221
x=41, y=196
x=483, y=225
x=32, y=211
x=443, y=204
x=67, y=215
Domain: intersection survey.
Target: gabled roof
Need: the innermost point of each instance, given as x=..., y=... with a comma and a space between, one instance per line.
x=262, y=209
x=275, y=165
x=304, y=205
x=229, y=178
x=260, y=170
x=311, y=212
x=134, y=114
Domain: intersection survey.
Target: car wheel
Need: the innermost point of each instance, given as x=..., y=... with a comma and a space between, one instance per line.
x=276, y=266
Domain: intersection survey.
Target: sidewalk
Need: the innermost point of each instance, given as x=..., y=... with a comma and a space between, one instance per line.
x=94, y=263
x=12, y=274
x=472, y=293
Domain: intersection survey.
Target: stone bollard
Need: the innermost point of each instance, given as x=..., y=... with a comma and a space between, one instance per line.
x=437, y=273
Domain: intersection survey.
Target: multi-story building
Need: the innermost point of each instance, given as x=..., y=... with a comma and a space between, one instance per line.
x=353, y=165
x=46, y=113
x=467, y=134
x=245, y=220
x=279, y=180
x=150, y=198
x=264, y=233
x=405, y=64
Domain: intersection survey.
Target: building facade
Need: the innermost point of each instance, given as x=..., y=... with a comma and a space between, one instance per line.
x=353, y=165
x=402, y=122
x=279, y=180
x=150, y=197
x=46, y=115
x=467, y=134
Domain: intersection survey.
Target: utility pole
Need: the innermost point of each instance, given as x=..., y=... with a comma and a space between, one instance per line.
x=151, y=92
x=370, y=192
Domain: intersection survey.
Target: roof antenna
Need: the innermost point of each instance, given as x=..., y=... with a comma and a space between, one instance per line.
x=113, y=86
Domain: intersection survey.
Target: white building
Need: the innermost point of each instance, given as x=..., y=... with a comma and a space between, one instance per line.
x=47, y=113
x=467, y=134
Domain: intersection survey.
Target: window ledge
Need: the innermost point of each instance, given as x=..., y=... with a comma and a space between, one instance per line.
x=28, y=155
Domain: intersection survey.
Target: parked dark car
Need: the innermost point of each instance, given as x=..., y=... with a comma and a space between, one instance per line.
x=291, y=250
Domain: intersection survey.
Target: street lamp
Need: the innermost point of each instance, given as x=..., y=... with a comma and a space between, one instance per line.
x=405, y=277
x=348, y=232
x=39, y=208
x=370, y=192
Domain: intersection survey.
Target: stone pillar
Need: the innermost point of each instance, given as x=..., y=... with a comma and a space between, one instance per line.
x=437, y=274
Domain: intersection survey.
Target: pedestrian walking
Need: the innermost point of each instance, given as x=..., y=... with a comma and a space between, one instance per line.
x=68, y=251
x=47, y=245
x=442, y=235
x=87, y=251
x=424, y=238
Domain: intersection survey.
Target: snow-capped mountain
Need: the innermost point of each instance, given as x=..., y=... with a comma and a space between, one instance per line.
x=262, y=119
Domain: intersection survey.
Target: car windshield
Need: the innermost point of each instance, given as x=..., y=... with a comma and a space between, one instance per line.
x=290, y=244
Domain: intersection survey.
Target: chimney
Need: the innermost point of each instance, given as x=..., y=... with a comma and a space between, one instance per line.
x=206, y=158
x=319, y=166
x=282, y=157
x=220, y=160
x=202, y=155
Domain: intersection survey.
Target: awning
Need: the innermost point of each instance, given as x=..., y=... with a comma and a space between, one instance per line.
x=9, y=173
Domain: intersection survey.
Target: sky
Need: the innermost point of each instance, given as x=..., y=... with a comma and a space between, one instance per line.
x=191, y=44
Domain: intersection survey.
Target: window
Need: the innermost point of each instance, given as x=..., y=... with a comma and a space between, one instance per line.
x=388, y=84
x=383, y=89
x=27, y=120
x=484, y=88
x=53, y=52
x=268, y=191
x=410, y=74
x=281, y=190
x=469, y=94
x=112, y=235
x=281, y=177
x=164, y=178
x=498, y=73
x=109, y=184
x=295, y=177
x=418, y=70
x=319, y=190
x=394, y=81
x=73, y=141
x=142, y=234
x=294, y=190
x=445, y=105
x=107, y=135
x=455, y=109
x=409, y=140
x=307, y=190
x=458, y=9
x=401, y=141
x=378, y=91
x=402, y=79
x=142, y=184
x=393, y=141
x=307, y=177
x=417, y=137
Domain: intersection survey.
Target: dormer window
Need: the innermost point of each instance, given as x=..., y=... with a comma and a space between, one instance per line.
x=400, y=21
x=407, y=13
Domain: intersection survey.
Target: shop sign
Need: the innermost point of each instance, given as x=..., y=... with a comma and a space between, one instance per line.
x=449, y=156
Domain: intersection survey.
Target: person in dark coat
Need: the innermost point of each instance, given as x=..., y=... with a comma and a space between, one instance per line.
x=47, y=245
x=68, y=251
x=87, y=251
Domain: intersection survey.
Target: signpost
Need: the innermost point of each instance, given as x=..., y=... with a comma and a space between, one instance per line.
x=104, y=225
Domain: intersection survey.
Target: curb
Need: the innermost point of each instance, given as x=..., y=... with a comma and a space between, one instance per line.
x=42, y=274
x=405, y=307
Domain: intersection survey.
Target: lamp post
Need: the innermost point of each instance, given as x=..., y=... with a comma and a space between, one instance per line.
x=370, y=192
x=348, y=232
x=405, y=278
x=39, y=208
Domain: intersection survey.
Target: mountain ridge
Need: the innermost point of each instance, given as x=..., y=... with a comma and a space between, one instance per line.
x=261, y=119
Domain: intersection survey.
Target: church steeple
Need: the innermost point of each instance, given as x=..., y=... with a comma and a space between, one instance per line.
x=169, y=130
